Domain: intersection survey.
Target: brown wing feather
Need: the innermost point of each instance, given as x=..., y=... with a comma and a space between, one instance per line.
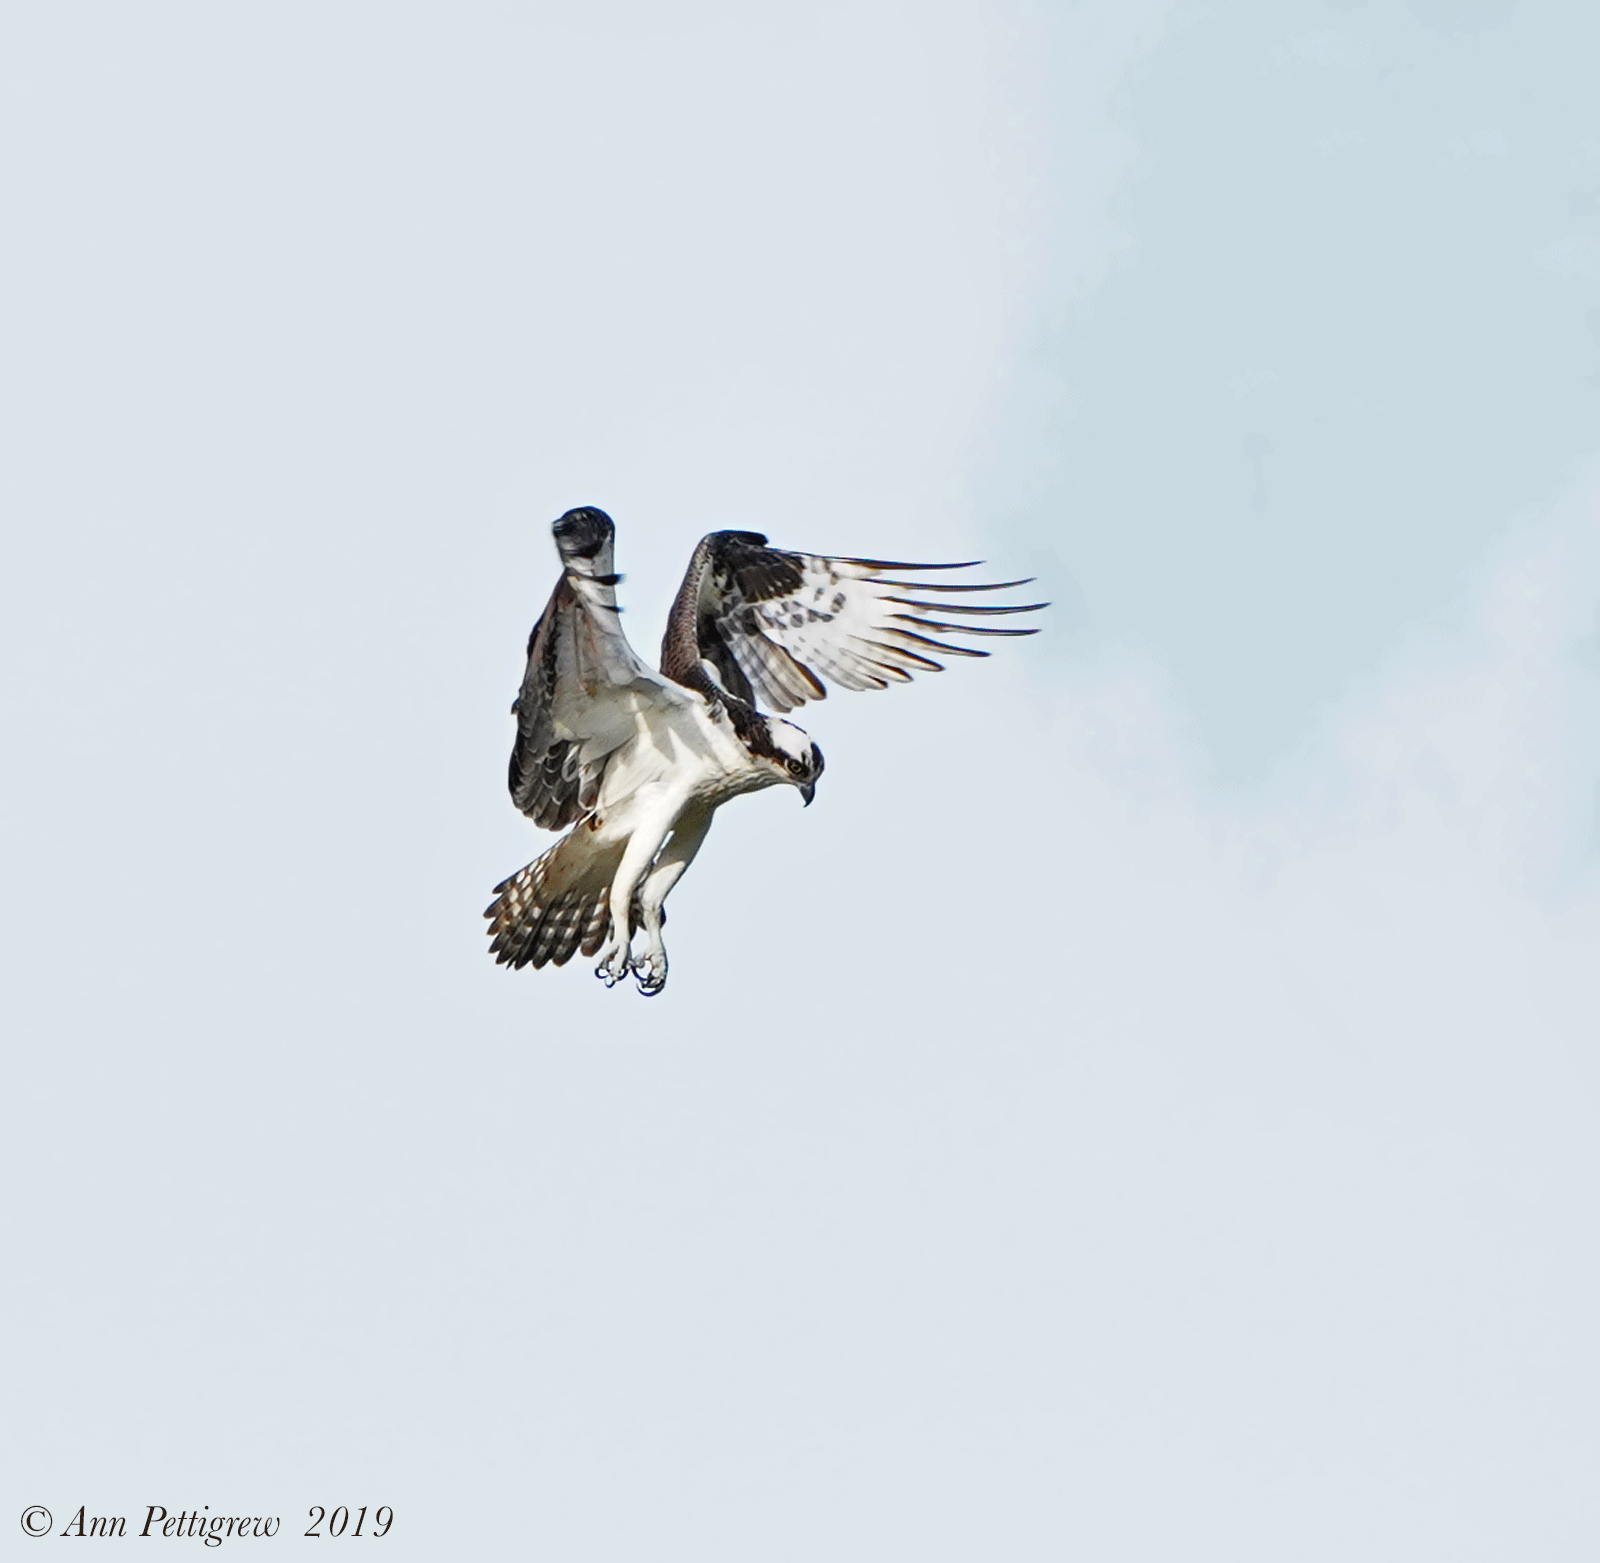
x=546, y=913
x=777, y=626
x=570, y=716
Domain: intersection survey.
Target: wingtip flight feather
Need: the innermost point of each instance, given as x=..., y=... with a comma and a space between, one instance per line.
x=964, y=629
x=967, y=607
x=952, y=586
x=903, y=564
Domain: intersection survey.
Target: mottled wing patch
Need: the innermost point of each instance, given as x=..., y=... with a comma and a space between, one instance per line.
x=792, y=622
x=583, y=682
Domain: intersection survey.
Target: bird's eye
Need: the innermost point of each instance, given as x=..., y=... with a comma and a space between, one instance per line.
x=796, y=767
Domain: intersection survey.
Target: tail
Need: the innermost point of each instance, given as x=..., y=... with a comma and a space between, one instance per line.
x=557, y=906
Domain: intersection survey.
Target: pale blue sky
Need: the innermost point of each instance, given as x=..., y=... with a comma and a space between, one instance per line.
x=1143, y=1110
x=1337, y=220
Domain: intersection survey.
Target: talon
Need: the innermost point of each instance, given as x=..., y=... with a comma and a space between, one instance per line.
x=650, y=968
x=613, y=966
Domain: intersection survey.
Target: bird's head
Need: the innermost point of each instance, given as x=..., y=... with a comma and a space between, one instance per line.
x=793, y=756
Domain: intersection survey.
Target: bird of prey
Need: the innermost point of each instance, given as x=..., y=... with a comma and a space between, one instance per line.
x=636, y=762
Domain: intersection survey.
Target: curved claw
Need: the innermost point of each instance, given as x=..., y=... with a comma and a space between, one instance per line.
x=650, y=967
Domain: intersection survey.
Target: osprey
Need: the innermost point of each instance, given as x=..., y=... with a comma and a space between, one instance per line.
x=637, y=762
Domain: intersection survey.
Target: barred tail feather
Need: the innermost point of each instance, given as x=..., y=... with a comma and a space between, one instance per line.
x=557, y=906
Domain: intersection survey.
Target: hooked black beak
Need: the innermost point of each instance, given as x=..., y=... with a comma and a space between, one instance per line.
x=809, y=790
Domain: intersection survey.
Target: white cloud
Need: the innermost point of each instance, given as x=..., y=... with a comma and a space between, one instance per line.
x=1577, y=256
x=1491, y=144
x=1472, y=747
x=1325, y=1044
x=1319, y=48
x=1248, y=380
x=1336, y=140
x=1427, y=843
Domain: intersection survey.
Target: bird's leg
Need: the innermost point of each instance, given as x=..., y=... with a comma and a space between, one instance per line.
x=642, y=847
x=650, y=965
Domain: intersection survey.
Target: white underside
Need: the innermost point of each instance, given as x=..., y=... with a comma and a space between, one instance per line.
x=657, y=797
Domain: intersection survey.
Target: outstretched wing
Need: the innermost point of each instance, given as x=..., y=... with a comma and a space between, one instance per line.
x=775, y=625
x=585, y=691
